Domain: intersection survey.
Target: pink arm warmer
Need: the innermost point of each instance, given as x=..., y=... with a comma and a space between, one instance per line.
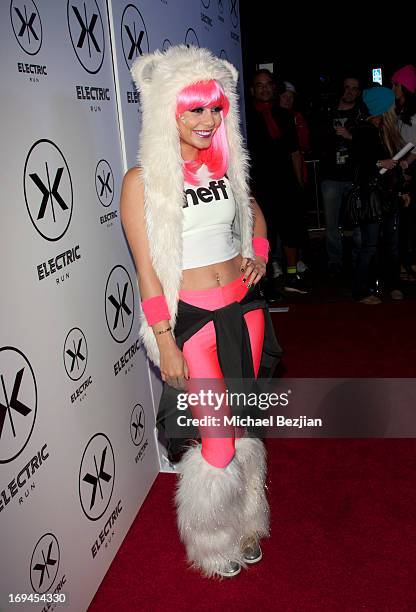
x=156, y=309
x=261, y=247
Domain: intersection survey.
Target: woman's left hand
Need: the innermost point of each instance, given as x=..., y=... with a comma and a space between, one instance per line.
x=254, y=270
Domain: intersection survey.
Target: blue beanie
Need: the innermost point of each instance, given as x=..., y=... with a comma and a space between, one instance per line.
x=378, y=100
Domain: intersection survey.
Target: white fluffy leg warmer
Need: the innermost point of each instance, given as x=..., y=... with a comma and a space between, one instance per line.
x=251, y=453
x=209, y=503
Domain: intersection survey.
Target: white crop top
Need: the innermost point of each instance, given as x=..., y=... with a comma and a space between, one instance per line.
x=208, y=214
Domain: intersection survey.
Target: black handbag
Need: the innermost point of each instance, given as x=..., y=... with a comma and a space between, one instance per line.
x=367, y=203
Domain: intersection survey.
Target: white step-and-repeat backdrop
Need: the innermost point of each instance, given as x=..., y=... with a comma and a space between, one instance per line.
x=78, y=450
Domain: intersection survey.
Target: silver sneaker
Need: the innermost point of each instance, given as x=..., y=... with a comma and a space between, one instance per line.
x=277, y=269
x=301, y=267
x=252, y=552
x=230, y=569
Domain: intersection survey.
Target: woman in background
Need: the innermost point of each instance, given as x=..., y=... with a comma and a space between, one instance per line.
x=404, y=87
x=375, y=142
x=287, y=100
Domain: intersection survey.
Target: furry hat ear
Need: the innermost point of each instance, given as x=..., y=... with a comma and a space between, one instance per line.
x=143, y=68
x=231, y=69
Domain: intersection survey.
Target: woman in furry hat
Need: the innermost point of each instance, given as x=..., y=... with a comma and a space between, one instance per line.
x=199, y=244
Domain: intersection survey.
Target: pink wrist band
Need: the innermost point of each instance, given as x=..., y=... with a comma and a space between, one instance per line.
x=156, y=309
x=261, y=247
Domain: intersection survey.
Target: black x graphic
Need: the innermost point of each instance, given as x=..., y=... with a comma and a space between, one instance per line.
x=87, y=31
x=27, y=24
x=95, y=481
x=120, y=305
x=14, y=403
x=135, y=42
x=43, y=567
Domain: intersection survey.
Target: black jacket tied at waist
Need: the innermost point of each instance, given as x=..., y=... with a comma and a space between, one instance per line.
x=233, y=349
x=233, y=340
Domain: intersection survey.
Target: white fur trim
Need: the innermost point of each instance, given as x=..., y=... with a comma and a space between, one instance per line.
x=252, y=454
x=159, y=78
x=209, y=504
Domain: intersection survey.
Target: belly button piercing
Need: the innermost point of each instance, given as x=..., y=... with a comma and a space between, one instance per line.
x=217, y=276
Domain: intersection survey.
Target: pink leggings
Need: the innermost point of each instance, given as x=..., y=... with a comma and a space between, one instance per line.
x=200, y=352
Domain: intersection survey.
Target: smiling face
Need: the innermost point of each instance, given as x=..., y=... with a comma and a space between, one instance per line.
x=201, y=109
x=196, y=128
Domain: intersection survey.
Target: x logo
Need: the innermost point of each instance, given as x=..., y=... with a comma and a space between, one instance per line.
x=43, y=567
x=136, y=42
x=27, y=24
x=95, y=481
x=138, y=425
x=76, y=354
x=87, y=31
x=14, y=403
x=233, y=12
x=120, y=305
x=105, y=186
x=48, y=192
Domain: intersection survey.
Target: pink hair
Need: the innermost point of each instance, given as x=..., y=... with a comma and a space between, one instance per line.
x=206, y=94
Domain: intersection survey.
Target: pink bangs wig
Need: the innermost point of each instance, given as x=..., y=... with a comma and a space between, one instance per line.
x=206, y=94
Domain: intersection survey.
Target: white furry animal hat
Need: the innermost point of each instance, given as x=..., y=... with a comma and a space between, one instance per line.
x=160, y=77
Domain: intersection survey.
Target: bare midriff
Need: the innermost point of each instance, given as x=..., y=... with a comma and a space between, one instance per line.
x=213, y=275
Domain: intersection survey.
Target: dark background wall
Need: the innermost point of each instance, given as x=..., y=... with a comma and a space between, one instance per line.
x=315, y=48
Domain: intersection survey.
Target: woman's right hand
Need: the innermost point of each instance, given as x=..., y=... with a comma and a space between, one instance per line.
x=173, y=367
x=388, y=164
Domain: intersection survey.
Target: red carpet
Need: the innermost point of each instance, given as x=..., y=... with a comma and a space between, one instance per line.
x=343, y=511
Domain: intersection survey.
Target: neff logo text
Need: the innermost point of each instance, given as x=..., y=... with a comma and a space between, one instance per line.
x=205, y=194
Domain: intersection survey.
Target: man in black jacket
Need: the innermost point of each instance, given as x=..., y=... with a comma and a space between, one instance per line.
x=336, y=165
x=276, y=172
